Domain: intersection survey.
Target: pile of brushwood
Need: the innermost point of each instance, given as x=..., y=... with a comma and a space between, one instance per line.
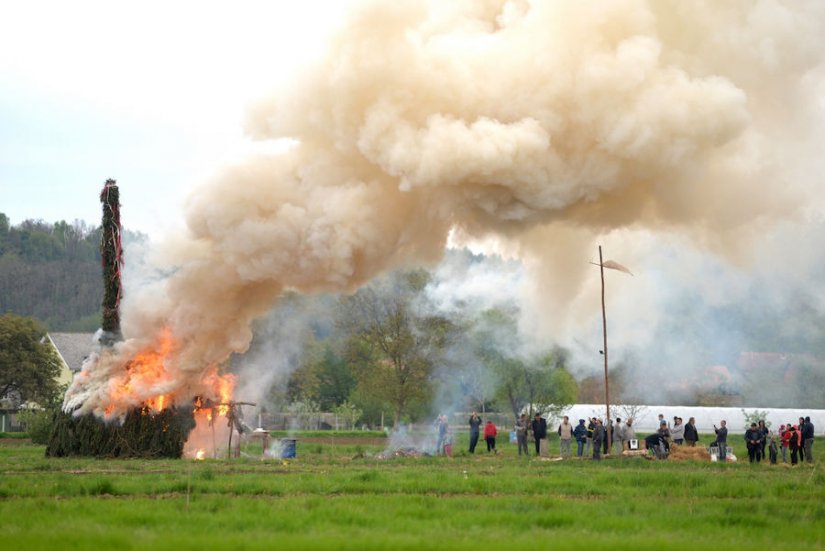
x=142, y=434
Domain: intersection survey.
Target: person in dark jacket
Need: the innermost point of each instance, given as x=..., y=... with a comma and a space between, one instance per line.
x=580, y=434
x=753, y=439
x=588, y=445
x=658, y=442
x=691, y=434
x=808, y=440
x=799, y=428
x=763, y=432
x=722, y=439
x=598, y=438
x=652, y=441
x=539, y=427
x=605, y=441
x=475, y=430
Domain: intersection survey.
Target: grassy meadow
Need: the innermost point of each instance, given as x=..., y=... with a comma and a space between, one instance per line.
x=337, y=495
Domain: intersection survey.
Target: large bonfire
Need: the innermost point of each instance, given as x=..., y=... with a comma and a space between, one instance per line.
x=191, y=423
x=534, y=126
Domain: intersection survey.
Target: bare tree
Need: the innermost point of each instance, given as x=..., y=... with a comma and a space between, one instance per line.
x=392, y=345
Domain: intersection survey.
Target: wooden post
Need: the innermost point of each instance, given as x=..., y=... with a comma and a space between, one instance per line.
x=214, y=444
x=229, y=447
x=609, y=428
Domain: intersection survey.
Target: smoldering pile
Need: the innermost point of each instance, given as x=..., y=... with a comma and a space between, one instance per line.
x=402, y=452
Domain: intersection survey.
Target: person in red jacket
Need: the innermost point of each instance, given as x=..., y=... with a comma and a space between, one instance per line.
x=793, y=443
x=490, y=436
x=785, y=438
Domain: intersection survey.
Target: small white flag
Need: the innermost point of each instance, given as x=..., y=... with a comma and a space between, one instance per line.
x=613, y=265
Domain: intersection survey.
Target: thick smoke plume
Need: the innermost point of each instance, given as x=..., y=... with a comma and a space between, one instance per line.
x=542, y=123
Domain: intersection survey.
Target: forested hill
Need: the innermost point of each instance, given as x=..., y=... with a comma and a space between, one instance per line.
x=51, y=272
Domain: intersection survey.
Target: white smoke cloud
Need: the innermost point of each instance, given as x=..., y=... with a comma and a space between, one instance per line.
x=543, y=123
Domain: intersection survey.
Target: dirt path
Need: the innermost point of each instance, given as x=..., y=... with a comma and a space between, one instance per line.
x=15, y=441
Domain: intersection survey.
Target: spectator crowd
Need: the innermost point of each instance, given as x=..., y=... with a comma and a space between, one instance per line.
x=792, y=442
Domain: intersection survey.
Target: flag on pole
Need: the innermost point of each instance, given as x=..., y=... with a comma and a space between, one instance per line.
x=613, y=265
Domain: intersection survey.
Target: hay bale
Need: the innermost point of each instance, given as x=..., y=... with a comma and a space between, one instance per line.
x=686, y=453
x=635, y=453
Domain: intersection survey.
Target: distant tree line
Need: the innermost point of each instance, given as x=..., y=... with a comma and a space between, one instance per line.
x=51, y=272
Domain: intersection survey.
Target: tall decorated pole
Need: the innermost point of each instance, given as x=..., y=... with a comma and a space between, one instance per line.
x=111, y=257
x=142, y=432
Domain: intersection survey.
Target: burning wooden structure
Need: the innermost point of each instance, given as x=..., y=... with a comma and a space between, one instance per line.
x=161, y=428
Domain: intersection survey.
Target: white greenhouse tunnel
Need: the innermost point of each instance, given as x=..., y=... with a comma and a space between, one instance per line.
x=706, y=417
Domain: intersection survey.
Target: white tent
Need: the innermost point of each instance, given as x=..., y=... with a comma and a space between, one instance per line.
x=706, y=417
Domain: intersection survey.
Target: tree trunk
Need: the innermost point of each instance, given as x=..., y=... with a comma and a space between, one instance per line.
x=399, y=411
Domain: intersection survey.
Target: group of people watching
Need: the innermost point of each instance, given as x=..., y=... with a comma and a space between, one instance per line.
x=679, y=433
x=799, y=439
x=490, y=433
x=591, y=437
x=588, y=437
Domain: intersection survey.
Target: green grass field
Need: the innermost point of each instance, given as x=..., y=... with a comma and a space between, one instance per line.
x=337, y=496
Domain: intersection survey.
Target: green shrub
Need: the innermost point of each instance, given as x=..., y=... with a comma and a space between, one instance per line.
x=38, y=424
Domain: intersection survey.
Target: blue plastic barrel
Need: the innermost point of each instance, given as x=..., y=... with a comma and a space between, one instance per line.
x=289, y=448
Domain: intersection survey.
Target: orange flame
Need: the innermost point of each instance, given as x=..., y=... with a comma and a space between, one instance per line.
x=145, y=372
x=218, y=389
x=216, y=398
x=225, y=385
x=148, y=382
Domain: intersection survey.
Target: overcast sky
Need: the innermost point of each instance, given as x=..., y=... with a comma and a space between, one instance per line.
x=151, y=94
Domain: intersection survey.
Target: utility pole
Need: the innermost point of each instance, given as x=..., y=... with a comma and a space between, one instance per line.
x=611, y=265
x=606, y=381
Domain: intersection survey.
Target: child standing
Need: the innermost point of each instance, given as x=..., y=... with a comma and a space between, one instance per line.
x=490, y=436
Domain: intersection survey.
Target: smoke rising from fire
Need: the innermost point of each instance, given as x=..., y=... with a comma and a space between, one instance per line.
x=542, y=123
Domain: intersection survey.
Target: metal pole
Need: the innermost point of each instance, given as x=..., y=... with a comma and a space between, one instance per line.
x=606, y=383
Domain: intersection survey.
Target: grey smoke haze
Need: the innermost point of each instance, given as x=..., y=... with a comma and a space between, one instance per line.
x=544, y=125
x=278, y=348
